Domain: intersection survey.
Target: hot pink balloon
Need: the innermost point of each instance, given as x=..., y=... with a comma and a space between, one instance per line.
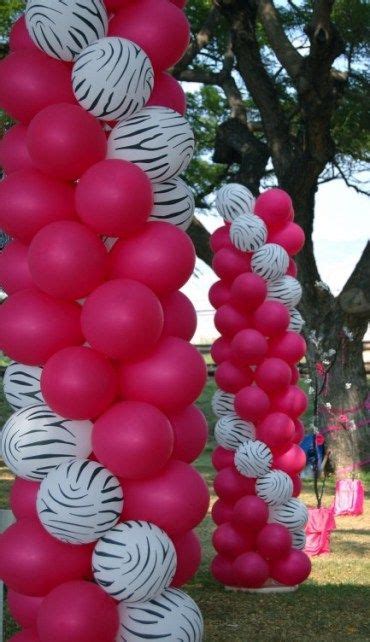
x=67, y=260
x=251, y=570
x=248, y=291
x=33, y=563
x=252, y=403
x=271, y=318
x=295, y=374
x=115, y=5
x=223, y=571
x=14, y=270
x=291, y=238
x=293, y=461
x=133, y=439
x=292, y=268
x=273, y=374
x=179, y=3
x=30, y=80
x=292, y=569
x=297, y=485
x=292, y=402
x=14, y=154
x=189, y=556
x=162, y=257
x=219, y=294
x=276, y=430
x=248, y=347
x=299, y=431
x=229, y=320
x=27, y=635
x=33, y=326
x=274, y=206
x=229, y=542
x=232, y=378
x=64, y=141
x=23, y=498
x=274, y=541
x=221, y=350
x=19, y=37
x=147, y=24
x=222, y=458
x=250, y=513
x=79, y=383
x=190, y=430
x=167, y=92
x=122, y=318
x=30, y=200
x=220, y=238
x=228, y=263
x=23, y=608
x=183, y=504
x=230, y=485
x=180, y=317
x=170, y=377
x=92, y=614
x=114, y=197
x=222, y=512
x=289, y=346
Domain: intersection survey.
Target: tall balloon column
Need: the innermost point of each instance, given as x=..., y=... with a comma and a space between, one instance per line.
x=103, y=378
x=260, y=524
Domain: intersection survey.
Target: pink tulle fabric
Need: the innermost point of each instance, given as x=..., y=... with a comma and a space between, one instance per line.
x=349, y=497
x=320, y=524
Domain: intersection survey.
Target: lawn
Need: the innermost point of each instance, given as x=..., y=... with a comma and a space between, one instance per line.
x=333, y=605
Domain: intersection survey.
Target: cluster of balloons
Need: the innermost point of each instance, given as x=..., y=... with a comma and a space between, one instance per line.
x=104, y=378
x=260, y=536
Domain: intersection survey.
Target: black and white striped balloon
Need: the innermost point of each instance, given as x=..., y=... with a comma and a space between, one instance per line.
x=222, y=403
x=79, y=501
x=231, y=431
x=253, y=458
x=173, y=203
x=296, y=322
x=63, y=28
x=293, y=514
x=298, y=539
x=157, y=139
x=134, y=561
x=248, y=232
x=286, y=290
x=234, y=199
x=271, y=261
x=35, y=440
x=112, y=79
x=22, y=385
x=276, y=487
x=172, y=615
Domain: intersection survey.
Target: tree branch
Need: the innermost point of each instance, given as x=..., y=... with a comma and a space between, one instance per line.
x=200, y=40
x=285, y=52
x=355, y=296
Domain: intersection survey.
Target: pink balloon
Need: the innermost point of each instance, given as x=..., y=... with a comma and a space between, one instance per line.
x=33, y=326
x=276, y=430
x=274, y=541
x=148, y=23
x=248, y=291
x=292, y=268
x=30, y=81
x=67, y=260
x=271, y=318
x=133, y=439
x=272, y=375
x=299, y=431
x=295, y=374
x=289, y=346
x=252, y=403
x=293, y=461
x=23, y=498
x=30, y=200
x=189, y=557
x=33, y=563
x=230, y=485
x=23, y=608
x=274, y=206
x=79, y=383
x=250, y=570
x=228, y=263
x=292, y=401
x=220, y=238
x=14, y=271
x=19, y=37
x=14, y=154
x=248, y=347
x=222, y=512
x=292, y=569
x=191, y=433
x=250, y=513
x=78, y=612
x=183, y=494
x=114, y=197
x=114, y=5
x=162, y=257
x=179, y=3
x=222, y=458
x=167, y=92
x=27, y=635
x=232, y=378
x=229, y=320
x=180, y=317
x=223, y=571
x=297, y=485
x=291, y=238
x=218, y=294
x=220, y=350
x=123, y=319
x=229, y=542
x=170, y=377
x=64, y=141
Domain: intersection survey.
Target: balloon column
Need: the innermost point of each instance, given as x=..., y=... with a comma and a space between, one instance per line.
x=103, y=378
x=260, y=524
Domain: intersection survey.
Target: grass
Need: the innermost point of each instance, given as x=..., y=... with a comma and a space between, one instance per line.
x=332, y=606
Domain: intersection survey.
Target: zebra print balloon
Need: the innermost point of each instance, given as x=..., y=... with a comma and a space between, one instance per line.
x=22, y=385
x=172, y=615
x=296, y=322
x=173, y=203
x=271, y=261
x=286, y=290
x=35, y=440
x=134, y=561
x=232, y=200
x=248, y=232
x=276, y=487
x=231, y=431
x=293, y=514
x=298, y=539
x=157, y=139
x=222, y=403
x=79, y=501
x=112, y=79
x=253, y=459
x=62, y=28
